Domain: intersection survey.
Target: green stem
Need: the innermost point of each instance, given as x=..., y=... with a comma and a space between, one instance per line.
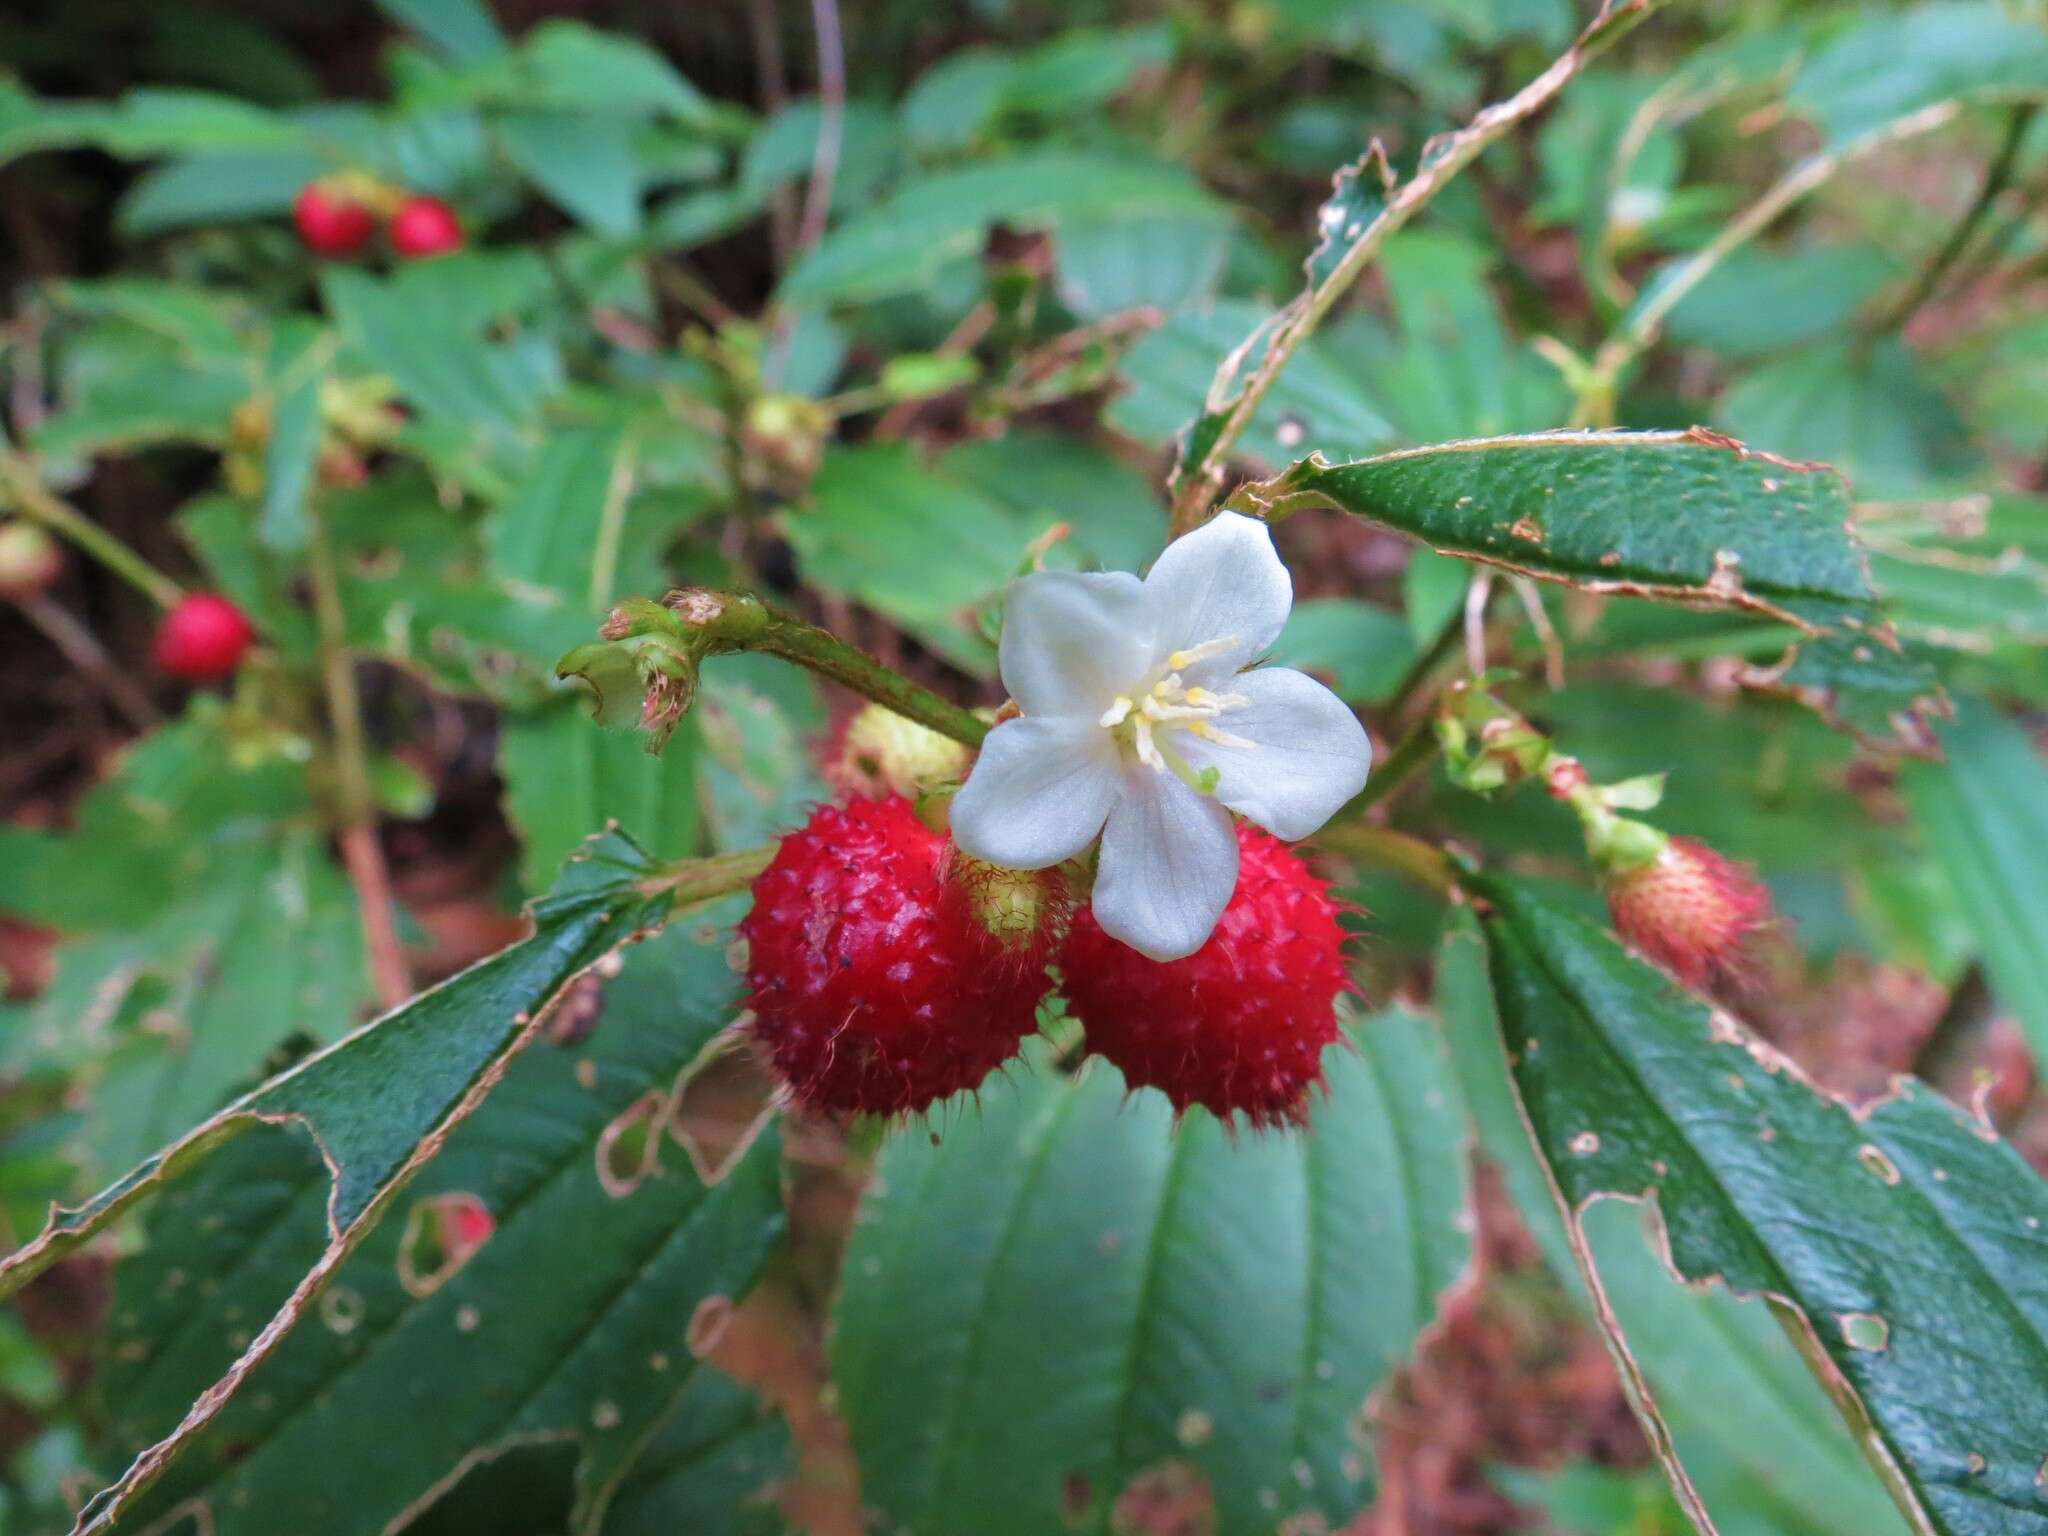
x=1996, y=176
x=1411, y=856
x=1409, y=756
x=694, y=880
x=715, y=622
x=1442, y=161
x=32, y=499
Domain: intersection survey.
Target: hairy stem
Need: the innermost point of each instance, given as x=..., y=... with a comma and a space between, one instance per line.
x=27, y=495
x=1411, y=856
x=713, y=622
x=1442, y=161
x=694, y=880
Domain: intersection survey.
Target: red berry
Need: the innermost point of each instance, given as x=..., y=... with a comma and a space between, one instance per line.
x=425, y=226
x=1689, y=910
x=1242, y=1022
x=867, y=991
x=29, y=560
x=203, y=638
x=331, y=223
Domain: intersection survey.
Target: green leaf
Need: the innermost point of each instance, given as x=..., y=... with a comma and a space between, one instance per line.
x=1320, y=399
x=379, y=1104
x=1757, y=302
x=1886, y=66
x=528, y=1337
x=707, y=1469
x=299, y=355
x=1111, y=509
x=1984, y=820
x=1869, y=411
x=1684, y=517
x=1166, y=263
x=1752, y=1425
x=564, y=779
x=1221, y=1302
x=583, y=162
x=1361, y=650
x=881, y=528
x=549, y=533
x=464, y=30
x=1905, y=1236
x=899, y=246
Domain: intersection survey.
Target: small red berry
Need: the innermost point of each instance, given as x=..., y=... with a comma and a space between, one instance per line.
x=867, y=992
x=29, y=560
x=1689, y=910
x=203, y=638
x=1242, y=1022
x=423, y=227
x=332, y=223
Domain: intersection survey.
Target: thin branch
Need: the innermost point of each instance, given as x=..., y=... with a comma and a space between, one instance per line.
x=1442, y=160
x=831, y=123
x=1997, y=176
x=27, y=495
x=774, y=84
x=1640, y=331
x=85, y=652
x=356, y=833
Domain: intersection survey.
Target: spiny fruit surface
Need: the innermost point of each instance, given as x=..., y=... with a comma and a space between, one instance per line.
x=203, y=638
x=331, y=223
x=1242, y=1022
x=425, y=226
x=1690, y=910
x=866, y=991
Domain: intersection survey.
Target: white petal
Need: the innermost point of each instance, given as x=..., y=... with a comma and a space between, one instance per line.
x=1073, y=642
x=1223, y=581
x=1038, y=793
x=1309, y=753
x=1169, y=864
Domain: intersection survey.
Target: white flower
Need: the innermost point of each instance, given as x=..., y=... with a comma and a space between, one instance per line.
x=1141, y=724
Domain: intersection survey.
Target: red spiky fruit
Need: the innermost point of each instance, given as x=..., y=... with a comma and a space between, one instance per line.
x=203, y=638
x=1239, y=1025
x=866, y=989
x=423, y=227
x=330, y=221
x=1690, y=910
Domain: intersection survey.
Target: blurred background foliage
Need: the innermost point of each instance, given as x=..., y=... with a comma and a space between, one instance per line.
x=864, y=306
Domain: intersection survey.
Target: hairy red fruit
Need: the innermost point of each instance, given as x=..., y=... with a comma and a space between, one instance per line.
x=331, y=223
x=866, y=991
x=1689, y=910
x=1015, y=917
x=1242, y=1022
x=423, y=227
x=29, y=560
x=203, y=638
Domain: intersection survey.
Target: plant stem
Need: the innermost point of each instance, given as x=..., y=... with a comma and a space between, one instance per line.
x=1641, y=329
x=32, y=499
x=357, y=829
x=1996, y=177
x=694, y=880
x=737, y=621
x=1442, y=160
x=1408, y=756
x=1411, y=856
x=85, y=652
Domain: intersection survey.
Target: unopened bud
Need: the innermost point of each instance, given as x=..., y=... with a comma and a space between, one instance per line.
x=1015, y=915
x=29, y=560
x=881, y=753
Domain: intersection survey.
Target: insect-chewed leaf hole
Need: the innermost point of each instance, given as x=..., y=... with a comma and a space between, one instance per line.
x=442, y=1233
